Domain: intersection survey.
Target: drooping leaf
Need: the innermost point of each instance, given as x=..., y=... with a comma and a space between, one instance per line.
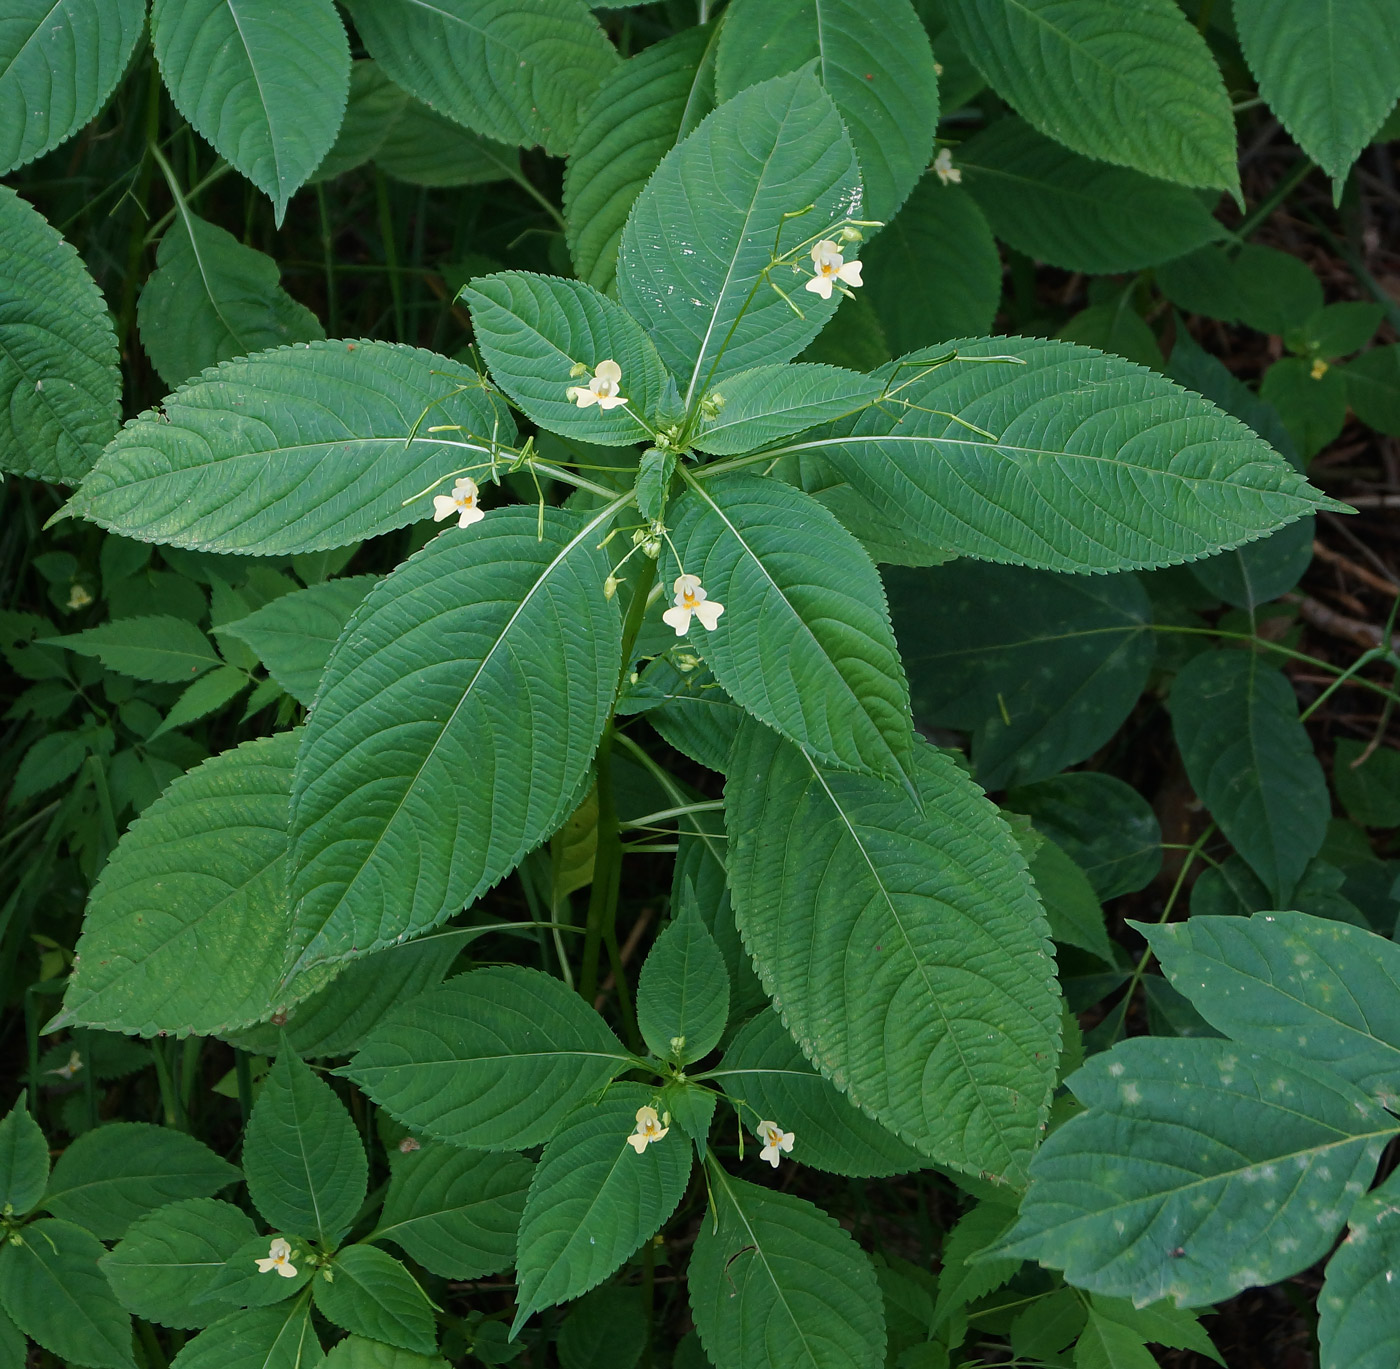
x=935, y=272
x=116, y=1173
x=456, y=1211
x=490, y=653
x=911, y=961
x=694, y=714
x=637, y=115
x=702, y=232
x=781, y=1286
x=1081, y=215
x=873, y=60
x=1302, y=987
x=211, y=298
x=52, y=1289
x=769, y=402
x=594, y=1200
x=243, y=1282
x=1199, y=1169
x=1367, y=782
x=1041, y=669
x=805, y=644
x=299, y=449
x=355, y=1352
x=1358, y=1317
x=373, y=1295
x=187, y=927
x=1071, y=429
x=964, y=1276
x=59, y=61
x=60, y=392
x=535, y=330
x=163, y=648
x=764, y=1068
x=516, y=70
x=1161, y=1323
x=1137, y=86
x=683, y=990
x=171, y=1256
x=24, y=1160
x=1330, y=72
x=280, y=1337
x=1071, y=906
x=494, y=1059
x=302, y=1155
x=200, y=699
x=1251, y=762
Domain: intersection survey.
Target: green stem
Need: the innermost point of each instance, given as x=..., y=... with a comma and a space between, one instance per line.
x=1276, y=197
x=243, y=1072
x=169, y=1101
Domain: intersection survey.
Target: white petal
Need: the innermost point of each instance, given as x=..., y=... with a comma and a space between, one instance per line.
x=608, y=370
x=583, y=398
x=287, y=1270
x=638, y=1142
x=850, y=273
x=470, y=516
x=820, y=285
x=265, y=1266
x=769, y=1153
x=611, y=401
x=444, y=506
x=708, y=613
x=678, y=618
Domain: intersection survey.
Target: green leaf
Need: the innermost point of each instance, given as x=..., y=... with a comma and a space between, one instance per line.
x=51, y=1287
x=1136, y=87
x=1307, y=988
x=205, y=695
x=516, y=70
x=1337, y=330
x=911, y=961
x=1277, y=291
x=116, y=1173
x=934, y=273
x=605, y=1329
x=280, y=1337
x=1358, y=1319
x=1162, y=1323
x=24, y=1160
x=1072, y=428
x=1078, y=214
x=874, y=62
x=59, y=61
x=187, y=927
x=302, y=1155
x=50, y=761
x=354, y=1352
x=1105, y=1344
x=534, y=331
x=1199, y=1169
x=294, y=634
x=760, y=406
x=1116, y=328
x=372, y=1294
x=456, y=1211
x=266, y=87
x=594, y=1200
x=211, y=298
x=490, y=649
x=702, y=232
x=1368, y=789
x=1330, y=72
x=494, y=1059
x=1251, y=762
x=694, y=714
x=1311, y=401
x=637, y=115
x=780, y=1285
x=14, y=1348
x=1071, y=906
x=683, y=991
x=243, y=1282
x=806, y=646
x=1041, y=669
x=1373, y=388
x=964, y=1278
x=764, y=1068
x=298, y=449
x=160, y=648
x=60, y=391
x=170, y=1257
x=1201, y=283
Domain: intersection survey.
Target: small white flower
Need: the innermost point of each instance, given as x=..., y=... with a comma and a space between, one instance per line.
x=649, y=1128
x=279, y=1257
x=75, y=1063
x=602, y=390
x=776, y=1140
x=691, y=599
x=830, y=267
x=462, y=502
x=944, y=169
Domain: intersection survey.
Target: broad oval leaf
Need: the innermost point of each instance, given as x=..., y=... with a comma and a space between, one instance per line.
x=280, y=1337
x=769, y=402
x=683, y=990
x=765, y=1069
x=59, y=61
x=594, y=1200
x=1358, y=1318
x=60, y=393
x=702, y=233
x=911, y=962
x=356, y=1352
x=780, y=1285
x=1137, y=86
x=373, y=1295
x=494, y=1059
x=1330, y=72
x=1071, y=212
x=1199, y=1169
x=455, y=723
x=1303, y=987
x=243, y=1283
x=873, y=60
x=638, y=114
x=298, y=449
x=1071, y=429
x=805, y=643
x=534, y=331
x=1251, y=762
x=516, y=70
